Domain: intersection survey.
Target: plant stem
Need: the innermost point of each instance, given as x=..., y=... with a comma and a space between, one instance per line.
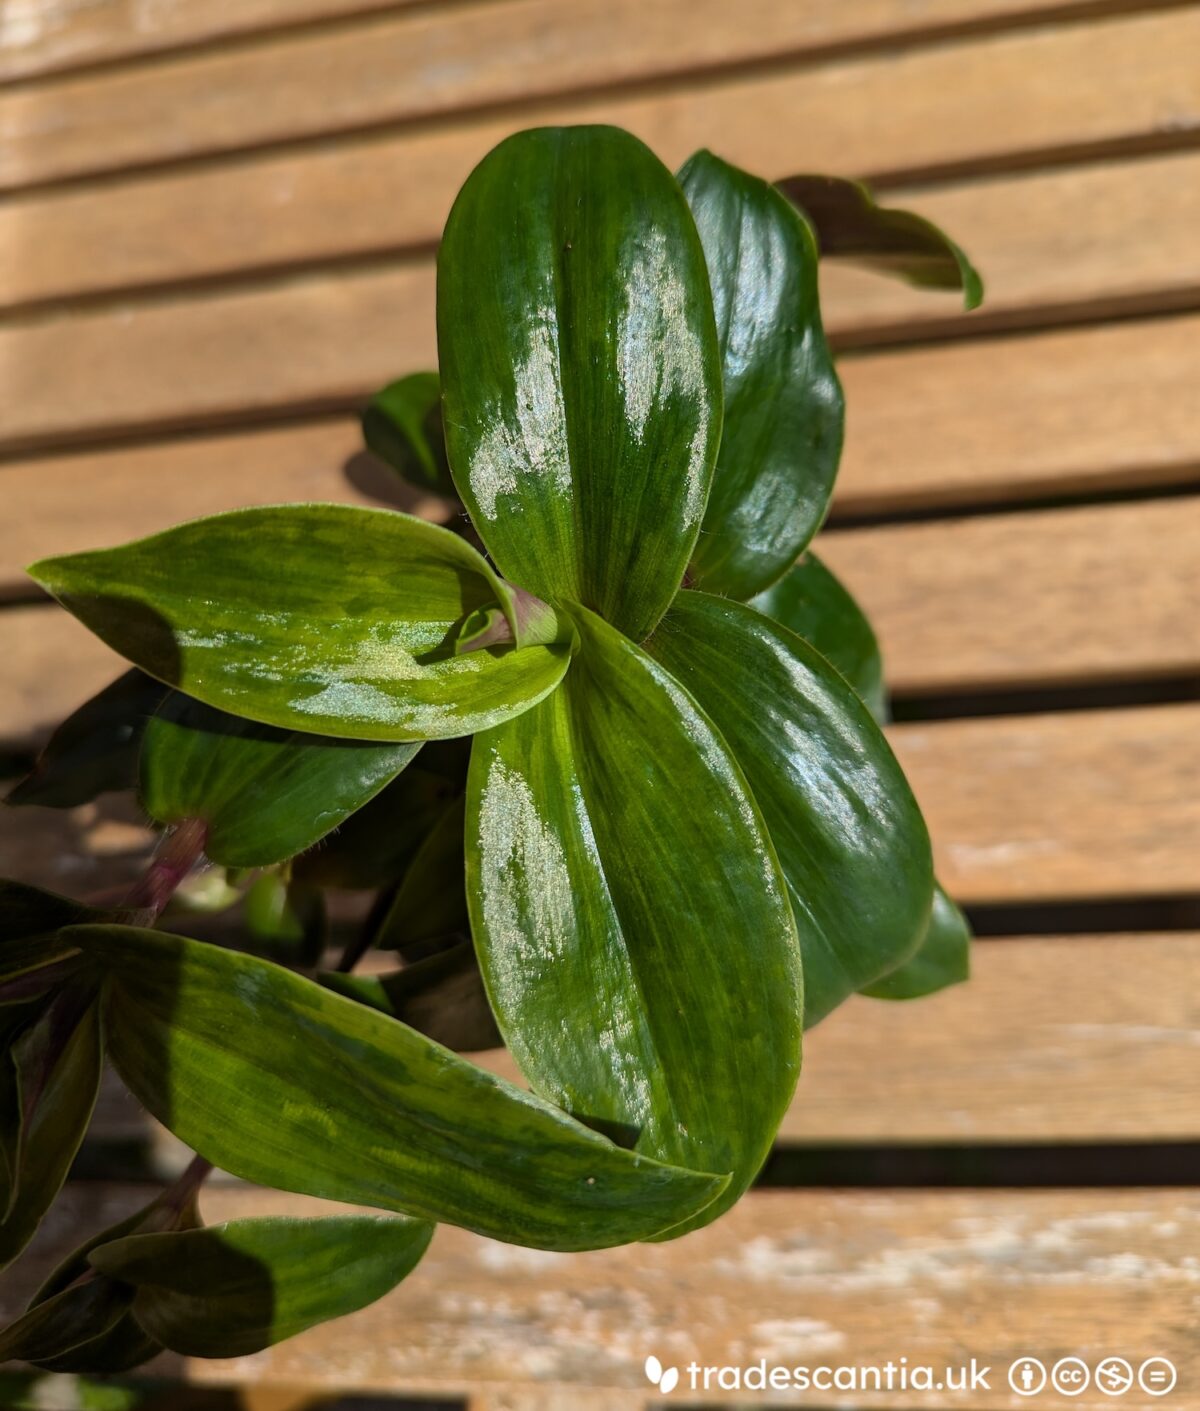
x=177, y=854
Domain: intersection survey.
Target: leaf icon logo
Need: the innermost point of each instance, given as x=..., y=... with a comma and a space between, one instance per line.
x=666, y=1379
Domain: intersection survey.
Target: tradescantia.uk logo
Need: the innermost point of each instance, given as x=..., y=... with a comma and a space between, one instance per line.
x=666, y=1379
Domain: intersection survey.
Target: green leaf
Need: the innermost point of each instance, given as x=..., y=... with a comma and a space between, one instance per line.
x=580, y=369
x=80, y=1315
x=850, y=225
x=811, y=602
x=432, y=899
x=441, y=997
x=265, y=794
x=782, y=436
x=285, y=920
x=851, y=839
x=943, y=957
x=51, y=1083
x=327, y=619
x=232, y=1289
x=95, y=750
x=402, y=425
x=632, y=924
x=375, y=845
x=282, y=1082
x=33, y=957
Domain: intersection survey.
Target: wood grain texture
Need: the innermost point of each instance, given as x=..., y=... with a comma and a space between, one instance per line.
x=1071, y=805
x=810, y=1278
x=1077, y=804
x=1106, y=592
x=1113, y=80
x=53, y=36
x=957, y=105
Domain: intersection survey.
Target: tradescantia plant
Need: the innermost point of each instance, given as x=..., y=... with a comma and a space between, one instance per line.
x=613, y=770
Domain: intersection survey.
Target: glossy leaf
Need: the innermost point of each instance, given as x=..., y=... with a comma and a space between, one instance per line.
x=850, y=225
x=279, y=1081
x=95, y=750
x=943, y=957
x=782, y=436
x=402, y=425
x=47, y=1105
x=850, y=837
x=232, y=1289
x=327, y=619
x=264, y=794
x=580, y=369
x=631, y=920
x=811, y=602
x=441, y=996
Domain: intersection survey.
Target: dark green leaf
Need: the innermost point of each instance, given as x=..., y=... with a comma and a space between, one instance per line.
x=279, y=1081
x=47, y=1105
x=632, y=924
x=264, y=794
x=580, y=368
x=943, y=957
x=441, y=997
x=236, y=1288
x=432, y=898
x=850, y=225
x=848, y=832
x=77, y=1316
x=782, y=436
x=402, y=425
x=813, y=603
x=375, y=845
x=328, y=619
x=27, y=912
x=95, y=750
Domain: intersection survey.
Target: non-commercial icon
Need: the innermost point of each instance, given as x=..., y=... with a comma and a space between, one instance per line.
x=1114, y=1376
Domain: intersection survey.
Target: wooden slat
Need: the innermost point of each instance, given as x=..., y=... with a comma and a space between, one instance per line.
x=809, y=1277
x=1071, y=805
x=1110, y=81
x=1092, y=239
x=1063, y=596
x=1078, y=804
x=1121, y=577
x=49, y=36
x=1122, y=79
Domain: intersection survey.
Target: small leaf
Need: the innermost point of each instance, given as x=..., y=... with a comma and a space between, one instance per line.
x=95, y=750
x=943, y=958
x=847, y=829
x=782, y=436
x=47, y=1106
x=232, y=1289
x=813, y=604
x=580, y=368
x=285, y=920
x=441, y=997
x=327, y=619
x=225, y=1049
x=375, y=845
x=402, y=425
x=432, y=898
x=631, y=921
x=78, y=1315
x=264, y=794
x=850, y=225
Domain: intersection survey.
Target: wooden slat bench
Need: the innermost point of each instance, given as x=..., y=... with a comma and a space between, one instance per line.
x=216, y=239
